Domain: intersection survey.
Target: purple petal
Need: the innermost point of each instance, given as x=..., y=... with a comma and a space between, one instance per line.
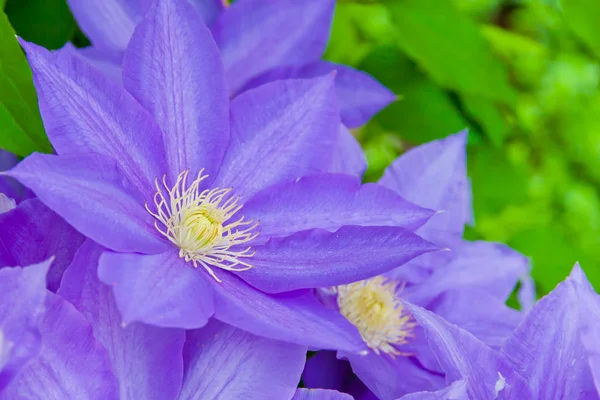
x=172, y=66
x=348, y=156
x=257, y=35
x=91, y=193
x=280, y=131
x=8, y=186
x=109, y=23
x=209, y=10
x=546, y=346
x=85, y=112
x=320, y=394
x=71, y=365
x=295, y=317
x=318, y=258
x=325, y=371
x=390, y=378
x=107, y=61
x=456, y=391
x=486, y=266
x=161, y=289
x=479, y=313
x=146, y=360
x=32, y=233
x=360, y=95
x=7, y=160
x=461, y=355
x=434, y=176
x=224, y=362
x=589, y=303
x=22, y=294
x=330, y=201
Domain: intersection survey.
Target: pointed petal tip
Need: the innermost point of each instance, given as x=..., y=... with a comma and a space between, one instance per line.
x=578, y=274
x=31, y=48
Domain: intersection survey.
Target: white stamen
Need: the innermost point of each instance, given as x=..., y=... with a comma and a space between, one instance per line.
x=198, y=223
x=374, y=307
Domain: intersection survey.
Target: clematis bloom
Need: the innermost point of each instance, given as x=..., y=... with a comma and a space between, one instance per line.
x=157, y=172
x=468, y=285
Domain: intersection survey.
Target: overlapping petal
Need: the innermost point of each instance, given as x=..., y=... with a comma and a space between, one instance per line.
x=290, y=32
x=330, y=201
x=8, y=186
x=461, y=356
x=222, y=362
x=161, y=289
x=360, y=95
x=319, y=258
x=478, y=312
x=32, y=233
x=95, y=18
x=85, y=112
x=434, y=176
x=22, y=295
x=172, y=67
x=107, y=61
x=90, y=192
x=146, y=359
x=348, y=156
x=272, y=316
x=487, y=266
x=71, y=365
x=554, y=363
x=280, y=131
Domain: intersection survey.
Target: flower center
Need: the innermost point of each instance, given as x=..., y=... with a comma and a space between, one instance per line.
x=198, y=223
x=374, y=307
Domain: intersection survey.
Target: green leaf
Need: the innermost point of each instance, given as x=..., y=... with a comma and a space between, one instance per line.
x=18, y=98
x=48, y=23
x=582, y=18
x=450, y=47
x=553, y=257
x=423, y=112
x=496, y=183
x=12, y=137
x=489, y=116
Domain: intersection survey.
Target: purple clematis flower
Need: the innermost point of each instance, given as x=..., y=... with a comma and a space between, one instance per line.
x=551, y=355
x=260, y=41
x=157, y=174
x=86, y=353
x=468, y=285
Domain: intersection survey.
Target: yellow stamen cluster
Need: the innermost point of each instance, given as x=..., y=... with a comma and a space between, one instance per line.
x=374, y=307
x=197, y=222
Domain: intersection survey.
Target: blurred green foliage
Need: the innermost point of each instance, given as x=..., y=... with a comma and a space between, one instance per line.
x=524, y=76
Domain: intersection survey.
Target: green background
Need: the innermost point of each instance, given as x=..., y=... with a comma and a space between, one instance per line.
x=524, y=76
